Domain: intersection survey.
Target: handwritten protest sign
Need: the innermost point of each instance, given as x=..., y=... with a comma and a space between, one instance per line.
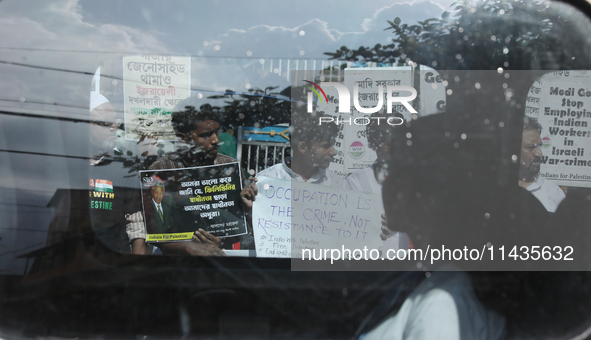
x=290, y=216
x=180, y=201
x=152, y=86
x=561, y=101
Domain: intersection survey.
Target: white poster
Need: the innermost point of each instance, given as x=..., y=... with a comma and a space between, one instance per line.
x=357, y=153
x=431, y=99
x=290, y=216
x=561, y=101
x=153, y=85
x=432, y=93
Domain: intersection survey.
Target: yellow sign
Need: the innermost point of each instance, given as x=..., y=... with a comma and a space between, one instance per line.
x=169, y=237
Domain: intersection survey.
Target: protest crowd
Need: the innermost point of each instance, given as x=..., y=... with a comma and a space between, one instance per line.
x=216, y=208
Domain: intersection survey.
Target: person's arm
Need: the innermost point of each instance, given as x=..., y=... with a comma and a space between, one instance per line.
x=138, y=247
x=248, y=196
x=385, y=230
x=136, y=233
x=202, y=244
x=347, y=183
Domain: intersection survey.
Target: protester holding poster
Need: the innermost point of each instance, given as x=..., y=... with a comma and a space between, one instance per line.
x=196, y=128
x=560, y=102
x=312, y=153
x=179, y=202
x=548, y=193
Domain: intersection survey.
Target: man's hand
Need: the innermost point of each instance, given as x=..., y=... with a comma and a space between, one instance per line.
x=204, y=249
x=385, y=230
x=248, y=194
x=191, y=248
x=202, y=236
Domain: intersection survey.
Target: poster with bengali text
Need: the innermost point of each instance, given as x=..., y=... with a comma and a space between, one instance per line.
x=561, y=102
x=178, y=202
x=371, y=82
x=152, y=87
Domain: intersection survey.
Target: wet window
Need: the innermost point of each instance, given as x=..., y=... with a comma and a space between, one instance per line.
x=310, y=170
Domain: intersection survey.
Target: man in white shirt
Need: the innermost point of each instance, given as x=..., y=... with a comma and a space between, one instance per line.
x=548, y=193
x=312, y=148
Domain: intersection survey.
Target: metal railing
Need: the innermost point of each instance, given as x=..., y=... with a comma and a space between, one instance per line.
x=258, y=149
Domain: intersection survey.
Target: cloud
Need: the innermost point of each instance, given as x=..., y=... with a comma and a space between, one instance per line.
x=306, y=40
x=408, y=12
x=55, y=35
x=313, y=38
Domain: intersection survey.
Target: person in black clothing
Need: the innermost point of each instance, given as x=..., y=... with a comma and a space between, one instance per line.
x=113, y=195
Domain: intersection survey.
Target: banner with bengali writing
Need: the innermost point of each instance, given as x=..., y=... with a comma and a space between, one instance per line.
x=152, y=87
x=352, y=148
x=178, y=202
x=561, y=102
x=356, y=150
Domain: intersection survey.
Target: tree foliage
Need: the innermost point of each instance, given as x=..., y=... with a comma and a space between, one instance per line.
x=510, y=34
x=258, y=108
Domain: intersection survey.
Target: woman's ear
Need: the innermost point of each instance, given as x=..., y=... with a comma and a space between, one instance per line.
x=302, y=147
